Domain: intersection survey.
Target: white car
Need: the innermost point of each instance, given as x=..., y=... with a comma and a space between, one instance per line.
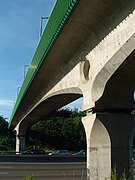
x=60, y=152
x=82, y=153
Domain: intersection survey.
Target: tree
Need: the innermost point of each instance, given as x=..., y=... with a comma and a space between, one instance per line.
x=7, y=140
x=61, y=129
x=3, y=125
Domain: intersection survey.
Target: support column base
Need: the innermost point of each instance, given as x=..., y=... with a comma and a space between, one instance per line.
x=109, y=143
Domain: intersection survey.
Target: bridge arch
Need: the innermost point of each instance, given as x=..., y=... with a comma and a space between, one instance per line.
x=118, y=91
x=47, y=104
x=123, y=56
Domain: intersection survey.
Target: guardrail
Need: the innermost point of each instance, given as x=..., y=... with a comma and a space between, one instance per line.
x=41, y=158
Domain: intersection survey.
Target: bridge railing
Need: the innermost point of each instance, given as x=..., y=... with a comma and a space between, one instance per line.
x=57, y=19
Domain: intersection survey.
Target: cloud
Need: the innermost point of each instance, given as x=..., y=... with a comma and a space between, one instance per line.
x=7, y=102
x=6, y=106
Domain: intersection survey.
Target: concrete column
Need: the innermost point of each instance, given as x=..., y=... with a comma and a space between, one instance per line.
x=20, y=143
x=20, y=138
x=120, y=128
x=98, y=148
x=109, y=143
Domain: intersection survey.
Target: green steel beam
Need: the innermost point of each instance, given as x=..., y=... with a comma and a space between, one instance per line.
x=57, y=19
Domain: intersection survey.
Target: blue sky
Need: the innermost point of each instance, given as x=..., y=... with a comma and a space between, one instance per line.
x=19, y=36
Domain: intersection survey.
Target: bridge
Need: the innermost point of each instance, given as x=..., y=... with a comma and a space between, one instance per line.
x=87, y=50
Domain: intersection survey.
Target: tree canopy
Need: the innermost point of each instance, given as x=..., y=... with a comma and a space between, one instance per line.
x=7, y=140
x=62, y=129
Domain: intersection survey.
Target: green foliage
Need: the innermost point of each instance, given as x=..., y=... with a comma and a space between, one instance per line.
x=133, y=112
x=116, y=176
x=132, y=171
x=123, y=176
x=3, y=125
x=3, y=148
x=7, y=140
x=6, y=143
x=30, y=177
x=62, y=129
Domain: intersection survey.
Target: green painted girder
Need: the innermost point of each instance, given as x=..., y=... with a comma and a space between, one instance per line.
x=59, y=15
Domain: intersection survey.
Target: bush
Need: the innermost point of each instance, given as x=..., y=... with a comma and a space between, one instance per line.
x=30, y=177
x=116, y=176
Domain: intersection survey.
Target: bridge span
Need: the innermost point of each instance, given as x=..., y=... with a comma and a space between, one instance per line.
x=87, y=50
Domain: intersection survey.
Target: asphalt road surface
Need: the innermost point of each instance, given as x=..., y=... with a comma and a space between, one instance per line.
x=43, y=171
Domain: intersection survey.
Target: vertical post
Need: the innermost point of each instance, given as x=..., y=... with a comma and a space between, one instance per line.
x=18, y=90
x=120, y=127
x=20, y=143
x=98, y=148
x=26, y=66
x=41, y=24
x=109, y=144
x=20, y=139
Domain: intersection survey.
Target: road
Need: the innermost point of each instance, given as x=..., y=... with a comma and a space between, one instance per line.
x=43, y=171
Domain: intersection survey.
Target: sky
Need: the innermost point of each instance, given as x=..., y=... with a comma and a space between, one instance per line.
x=19, y=36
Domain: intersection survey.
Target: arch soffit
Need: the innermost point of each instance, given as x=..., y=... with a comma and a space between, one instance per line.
x=110, y=67
x=73, y=91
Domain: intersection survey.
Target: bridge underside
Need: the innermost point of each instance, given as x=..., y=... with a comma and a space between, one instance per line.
x=90, y=20
x=118, y=95
x=92, y=57
x=47, y=106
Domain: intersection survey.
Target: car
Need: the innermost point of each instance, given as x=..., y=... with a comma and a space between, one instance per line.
x=25, y=153
x=81, y=153
x=32, y=152
x=60, y=153
x=38, y=151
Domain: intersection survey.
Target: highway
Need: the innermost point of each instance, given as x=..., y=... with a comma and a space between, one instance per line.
x=16, y=167
x=43, y=171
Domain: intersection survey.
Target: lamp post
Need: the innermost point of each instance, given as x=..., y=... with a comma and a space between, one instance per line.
x=18, y=90
x=41, y=24
x=26, y=66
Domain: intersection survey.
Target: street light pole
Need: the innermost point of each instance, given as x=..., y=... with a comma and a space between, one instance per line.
x=26, y=66
x=41, y=24
x=18, y=90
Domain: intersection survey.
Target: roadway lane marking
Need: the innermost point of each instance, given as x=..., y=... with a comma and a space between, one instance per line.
x=3, y=173
x=6, y=167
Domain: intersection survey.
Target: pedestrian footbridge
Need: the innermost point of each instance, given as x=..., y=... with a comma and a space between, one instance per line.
x=86, y=50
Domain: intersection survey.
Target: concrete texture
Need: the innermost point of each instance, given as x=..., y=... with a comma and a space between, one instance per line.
x=93, y=58
x=109, y=143
x=98, y=149
x=94, y=43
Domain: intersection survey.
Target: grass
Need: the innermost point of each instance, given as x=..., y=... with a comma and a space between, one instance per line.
x=30, y=177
